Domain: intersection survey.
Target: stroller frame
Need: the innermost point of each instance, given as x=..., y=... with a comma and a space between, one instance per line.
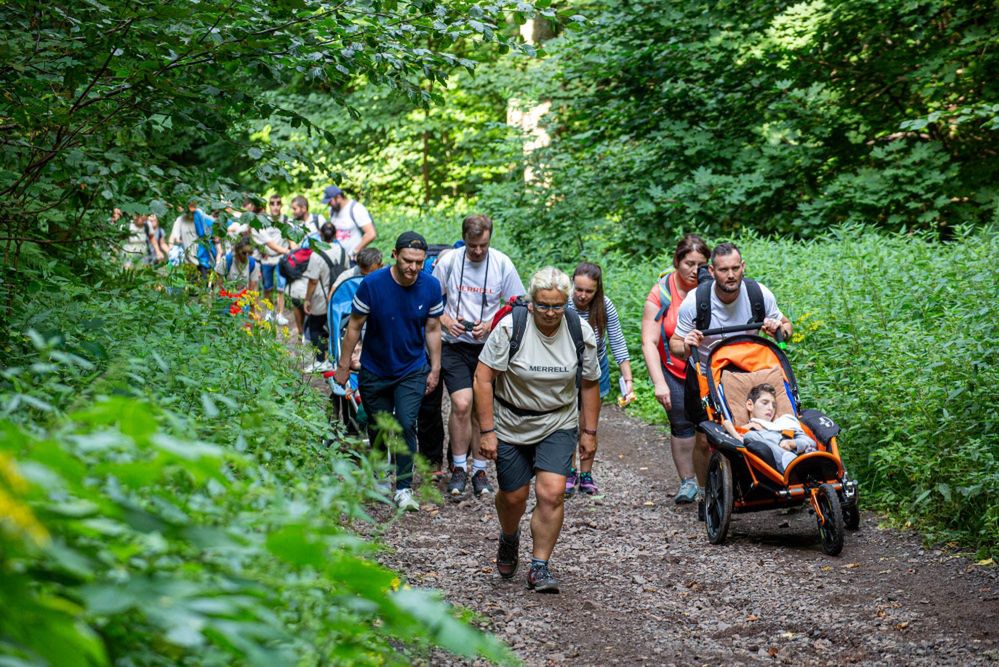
x=742, y=477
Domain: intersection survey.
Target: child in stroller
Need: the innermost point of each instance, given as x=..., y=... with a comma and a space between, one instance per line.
x=783, y=435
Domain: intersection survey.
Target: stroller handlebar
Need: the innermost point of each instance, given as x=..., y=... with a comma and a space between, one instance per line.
x=749, y=326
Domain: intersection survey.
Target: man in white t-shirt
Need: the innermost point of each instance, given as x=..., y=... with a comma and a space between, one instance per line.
x=304, y=223
x=475, y=280
x=354, y=228
x=730, y=306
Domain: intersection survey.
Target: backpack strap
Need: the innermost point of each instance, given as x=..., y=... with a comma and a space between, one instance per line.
x=519, y=327
x=702, y=304
x=759, y=311
x=228, y=265
x=572, y=320
x=664, y=303
x=329, y=263
x=253, y=266
x=350, y=210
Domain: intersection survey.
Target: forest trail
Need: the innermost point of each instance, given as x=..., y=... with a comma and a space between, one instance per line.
x=641, y=585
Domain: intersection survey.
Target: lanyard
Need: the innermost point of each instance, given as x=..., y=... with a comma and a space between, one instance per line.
x=461, y=281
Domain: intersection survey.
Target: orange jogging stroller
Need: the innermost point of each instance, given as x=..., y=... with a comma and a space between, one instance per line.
x=744, y=477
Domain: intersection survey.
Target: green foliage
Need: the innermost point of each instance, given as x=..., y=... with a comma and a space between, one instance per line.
x=119, y=103
x=168, y=498
x=895, y=339
x=775, y=117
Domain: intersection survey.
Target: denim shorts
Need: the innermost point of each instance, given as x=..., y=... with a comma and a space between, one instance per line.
x=269, y=273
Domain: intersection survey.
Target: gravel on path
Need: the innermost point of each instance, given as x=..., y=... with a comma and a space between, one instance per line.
x=641, y=585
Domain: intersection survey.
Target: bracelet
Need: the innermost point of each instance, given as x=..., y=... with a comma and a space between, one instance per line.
x=488, y=430
x=590, y=431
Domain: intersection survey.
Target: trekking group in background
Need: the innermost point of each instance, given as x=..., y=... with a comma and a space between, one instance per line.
x=525, y=369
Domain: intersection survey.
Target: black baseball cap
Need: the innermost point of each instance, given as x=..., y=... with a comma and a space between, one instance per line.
x=411, y=240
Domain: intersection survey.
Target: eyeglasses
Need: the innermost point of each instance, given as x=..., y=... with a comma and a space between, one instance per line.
x=550, y=307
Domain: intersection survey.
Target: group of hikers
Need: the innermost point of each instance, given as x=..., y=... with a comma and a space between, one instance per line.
x=525, y=368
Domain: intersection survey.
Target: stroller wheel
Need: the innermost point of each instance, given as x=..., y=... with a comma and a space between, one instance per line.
x=829, y=514
x=718, y=498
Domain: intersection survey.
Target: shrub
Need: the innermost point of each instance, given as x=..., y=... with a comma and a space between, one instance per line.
x=128, y=538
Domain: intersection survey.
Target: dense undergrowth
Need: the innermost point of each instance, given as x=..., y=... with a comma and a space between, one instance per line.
x=167, y=498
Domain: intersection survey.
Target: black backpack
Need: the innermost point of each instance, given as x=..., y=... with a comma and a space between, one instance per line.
x=702, y=302
x=519, y=312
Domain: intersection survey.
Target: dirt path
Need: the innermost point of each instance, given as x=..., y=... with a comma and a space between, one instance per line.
x=641, y=584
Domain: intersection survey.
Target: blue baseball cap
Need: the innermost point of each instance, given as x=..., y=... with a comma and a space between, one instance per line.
x=331, y=193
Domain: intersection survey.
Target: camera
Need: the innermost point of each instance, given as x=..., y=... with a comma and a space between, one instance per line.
x=467, y=325
x=703, y=274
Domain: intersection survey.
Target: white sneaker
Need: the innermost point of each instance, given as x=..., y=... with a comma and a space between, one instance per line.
x=281, y=320
x=404, y=500
x=319, y=367
x=269, y=316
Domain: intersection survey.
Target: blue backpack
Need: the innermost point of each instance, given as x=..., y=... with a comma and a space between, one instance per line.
x=206, y=249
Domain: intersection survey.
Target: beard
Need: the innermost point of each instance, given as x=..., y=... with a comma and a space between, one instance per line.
x=729, y=290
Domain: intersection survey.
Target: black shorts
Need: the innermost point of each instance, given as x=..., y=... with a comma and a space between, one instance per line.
x=693, y=407
x=679, y=425
x=516, y=464
x=458, y=362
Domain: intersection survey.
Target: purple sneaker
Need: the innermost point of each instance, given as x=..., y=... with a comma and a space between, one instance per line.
x=587, y=485
x=571, y=483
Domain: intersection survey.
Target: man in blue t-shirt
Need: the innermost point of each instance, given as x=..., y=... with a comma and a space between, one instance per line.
x=400, y=307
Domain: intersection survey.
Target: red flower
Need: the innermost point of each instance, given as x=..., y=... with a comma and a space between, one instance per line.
x=234, y=309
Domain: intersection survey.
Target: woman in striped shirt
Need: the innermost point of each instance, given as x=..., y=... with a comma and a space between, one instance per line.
x=589, y=301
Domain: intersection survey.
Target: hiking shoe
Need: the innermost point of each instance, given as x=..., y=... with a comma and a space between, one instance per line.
x=687, y=492
x=459, y=478
x=281, y=320
x=480, y=483
x=571, y=483
x=507, y=555
x=405, y=501
x=541, y=580
x=587, y=485
x=319, y=367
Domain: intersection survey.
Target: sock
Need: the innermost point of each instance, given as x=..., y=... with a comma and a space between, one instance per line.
x=459, y=461
x=537, y=562
x=509, y=538
x=479, y=464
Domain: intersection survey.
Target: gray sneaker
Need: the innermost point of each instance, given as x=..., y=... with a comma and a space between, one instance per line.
x=541, y=579
x=459, y=478
x=687, y=492
x=480, y=483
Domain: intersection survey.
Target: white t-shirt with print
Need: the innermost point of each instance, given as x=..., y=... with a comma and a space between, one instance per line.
x=349, y=230
x=495, y=277
x=540, y=377
x=723, y=314
x=318, y=269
